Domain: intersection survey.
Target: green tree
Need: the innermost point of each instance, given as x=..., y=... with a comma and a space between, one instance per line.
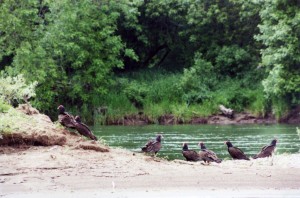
x=20, y=21
x=71, y=53
x=280, y=33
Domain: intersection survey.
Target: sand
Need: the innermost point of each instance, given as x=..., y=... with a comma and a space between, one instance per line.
x=61, y=171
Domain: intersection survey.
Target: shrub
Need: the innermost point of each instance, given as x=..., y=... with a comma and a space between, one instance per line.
x=15, y=88
x=198, y=81
x=4, y=107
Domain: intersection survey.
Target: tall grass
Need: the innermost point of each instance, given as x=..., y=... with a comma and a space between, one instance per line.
x=158, y=93
x=118, y=105
x=279, y=107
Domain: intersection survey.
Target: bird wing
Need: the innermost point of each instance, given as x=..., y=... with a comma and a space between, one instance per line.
x=151, y=146
x=208, y=155
x=237, y=153
x=269, y=149
x=203, y=154
x=85, y=131
x=212, y=155
x=67, y=120
x=149, y=143
x=263, y=148
x=86, y=127
x=266, y=151
x=191, y=155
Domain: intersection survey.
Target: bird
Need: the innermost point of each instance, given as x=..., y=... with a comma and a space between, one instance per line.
x=190, y=155
x=267, y=150
x=83, y=129
x=235, y=152
x=65, y=118
x=207, y=155
x=153, y=146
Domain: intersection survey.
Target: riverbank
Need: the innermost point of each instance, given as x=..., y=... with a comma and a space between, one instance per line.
x=239, y=118
x=66, y=172
x=40, y=158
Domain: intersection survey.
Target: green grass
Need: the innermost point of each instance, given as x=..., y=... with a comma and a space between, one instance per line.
x=159, y=93
x=4, y=107
x=118, y=105
x=279, y=107
x=12, y=121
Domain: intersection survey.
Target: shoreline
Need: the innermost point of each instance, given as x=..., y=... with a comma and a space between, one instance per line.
x=174, y=192
x=219, y=119
x=63, y=171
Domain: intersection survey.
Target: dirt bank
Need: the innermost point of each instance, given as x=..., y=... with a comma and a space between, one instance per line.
x=30, y=128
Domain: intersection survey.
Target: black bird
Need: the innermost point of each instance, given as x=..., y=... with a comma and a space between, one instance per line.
x=267, y=150
x=65, y=118
x=207, y=155
x=235, y=152
x=190, y=155
x=84, y=129
x=153, y=146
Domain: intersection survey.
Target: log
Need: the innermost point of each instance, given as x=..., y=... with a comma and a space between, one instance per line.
x=102, y=110
x=226, y=112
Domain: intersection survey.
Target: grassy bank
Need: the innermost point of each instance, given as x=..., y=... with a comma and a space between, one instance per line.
x=154, y=93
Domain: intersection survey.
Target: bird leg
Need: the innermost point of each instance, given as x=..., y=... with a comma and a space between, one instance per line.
x=206, y=163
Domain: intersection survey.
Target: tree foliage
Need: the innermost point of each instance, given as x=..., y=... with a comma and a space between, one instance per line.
x=77, y=50
x=70, y=50
x=280, y=33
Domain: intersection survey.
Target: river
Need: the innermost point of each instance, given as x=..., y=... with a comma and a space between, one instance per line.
x=249, y=138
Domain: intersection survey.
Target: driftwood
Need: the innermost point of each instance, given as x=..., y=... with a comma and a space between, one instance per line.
x=102, y=110
x=226, y=112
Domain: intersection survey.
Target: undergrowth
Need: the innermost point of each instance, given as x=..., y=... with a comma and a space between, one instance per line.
x=157, y=92
x=13, y=120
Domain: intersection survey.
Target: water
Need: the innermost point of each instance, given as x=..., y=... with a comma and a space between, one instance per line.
x=249, y=138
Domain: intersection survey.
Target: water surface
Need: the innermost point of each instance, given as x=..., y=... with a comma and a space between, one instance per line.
x=249, y=138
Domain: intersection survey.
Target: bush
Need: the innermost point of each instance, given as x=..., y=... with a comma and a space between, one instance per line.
x=136, y=92
x=4, y=107
x=198, y=81
x=15, y=89
x=231, y=61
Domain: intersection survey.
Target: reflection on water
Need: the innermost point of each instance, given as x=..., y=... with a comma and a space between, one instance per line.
x=249, y=138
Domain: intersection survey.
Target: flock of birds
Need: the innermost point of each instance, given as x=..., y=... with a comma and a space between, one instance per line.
x=206, y=155
x=153, y=146
x=69, y=121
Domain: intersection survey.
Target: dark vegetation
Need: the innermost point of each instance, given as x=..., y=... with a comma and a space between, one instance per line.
x=106, y=60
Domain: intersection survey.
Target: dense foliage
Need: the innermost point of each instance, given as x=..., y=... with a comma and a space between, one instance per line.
x=181, y=57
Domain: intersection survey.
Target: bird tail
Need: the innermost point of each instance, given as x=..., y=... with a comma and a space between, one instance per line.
x=93, y=137
x=144, y=149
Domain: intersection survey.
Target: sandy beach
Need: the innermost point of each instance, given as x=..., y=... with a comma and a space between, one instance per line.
x=60, y=171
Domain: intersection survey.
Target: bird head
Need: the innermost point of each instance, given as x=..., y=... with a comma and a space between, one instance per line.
x=185, y=146
x=159, y=137
x=61, y=108
x=228, y=143
x=202, y=146
x=77, y=119
x=274, y=142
